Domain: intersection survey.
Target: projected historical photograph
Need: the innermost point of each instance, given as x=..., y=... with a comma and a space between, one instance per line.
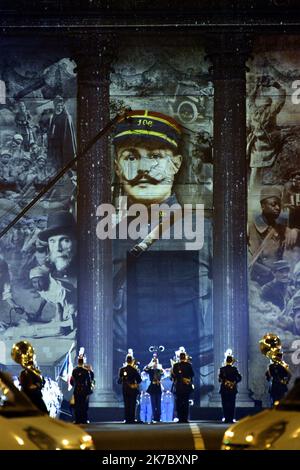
x=162, y=154
x=38, y=253
x=273, y=146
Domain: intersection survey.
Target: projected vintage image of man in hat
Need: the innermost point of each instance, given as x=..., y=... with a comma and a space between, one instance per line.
x=148, y=164
x=60, y=235
x=147, y=156
x=269, y=237
x=279, y=291
x=57, y=282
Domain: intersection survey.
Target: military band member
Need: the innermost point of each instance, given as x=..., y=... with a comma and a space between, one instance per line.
x=155, y=371
x=279, y=376
x=182, y=374
x=32, y=384
x=130, y=379
x=81, y=381
x=229, y=376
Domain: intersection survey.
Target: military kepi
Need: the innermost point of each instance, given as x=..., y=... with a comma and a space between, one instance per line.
x=270, y=191
x=150, y=126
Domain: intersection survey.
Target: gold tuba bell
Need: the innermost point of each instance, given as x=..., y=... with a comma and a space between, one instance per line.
x=23, y=353
x=270, y=346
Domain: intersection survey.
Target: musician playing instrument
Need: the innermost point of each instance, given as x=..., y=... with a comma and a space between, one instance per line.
x=31, y=379
x=229, y=376
x=155, y=371
x=278, y=375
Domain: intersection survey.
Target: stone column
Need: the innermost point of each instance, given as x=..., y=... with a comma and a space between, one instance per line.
x=228, y=54
x=95, y=321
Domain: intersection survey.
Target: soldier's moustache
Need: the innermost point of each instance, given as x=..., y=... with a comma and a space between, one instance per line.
x=143, y=177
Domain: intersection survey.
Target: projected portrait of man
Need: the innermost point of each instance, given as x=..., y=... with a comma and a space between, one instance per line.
x=60, y=235
x=58, y=282
x=164, y=284
x=147, y=156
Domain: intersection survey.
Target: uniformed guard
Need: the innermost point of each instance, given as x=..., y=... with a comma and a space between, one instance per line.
x=155, y=371
x=130, y=379
x=229, y=376
x=278, y=375
x=81, y=381
x=182, y=374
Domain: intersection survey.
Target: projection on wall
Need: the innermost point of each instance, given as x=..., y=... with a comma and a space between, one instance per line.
x=273, y=152
x=163, y=153
x=38, y=254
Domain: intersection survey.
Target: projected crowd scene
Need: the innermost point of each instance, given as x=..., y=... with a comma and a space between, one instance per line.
x=273, y=144
x=38, y=254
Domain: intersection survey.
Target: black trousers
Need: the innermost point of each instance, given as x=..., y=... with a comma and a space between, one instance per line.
x=156, y=405
x=228, y=404
x=129, y=404
x=182, y=407
x=277, y=392
x=81, y=408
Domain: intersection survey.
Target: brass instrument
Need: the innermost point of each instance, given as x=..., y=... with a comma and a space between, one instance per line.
x=270, y=346
x=23, y=353
x=229, y=384
x=155, y=349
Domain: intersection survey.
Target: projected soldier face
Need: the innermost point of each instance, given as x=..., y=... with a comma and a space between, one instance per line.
x=271, y=207
x=5, y=159
x=22, y=106
x=40, y=283
x=16, y=142
x=282, y=275
x=34, y=149
x=62, y=249
x=296, y=183
x=147, y=171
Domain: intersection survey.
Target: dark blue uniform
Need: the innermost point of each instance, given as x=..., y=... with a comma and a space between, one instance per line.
x=182, y=375
x=154, y=390
x=32, y=384
x=129, y=377
x=229, y=376
x=81, y=381
x=279, y=377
